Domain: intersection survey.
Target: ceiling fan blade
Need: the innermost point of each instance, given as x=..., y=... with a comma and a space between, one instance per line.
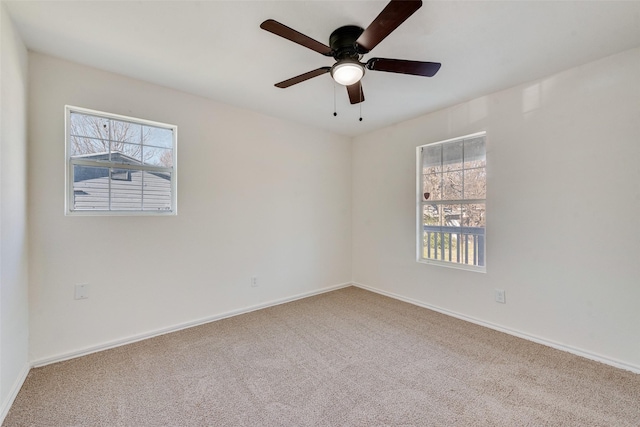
x=302, y=77
x=290, y=34
x=356, y=94
x=417, y=68
x=394, y=14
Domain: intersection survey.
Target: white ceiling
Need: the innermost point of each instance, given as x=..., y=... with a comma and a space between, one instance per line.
x=216, y=49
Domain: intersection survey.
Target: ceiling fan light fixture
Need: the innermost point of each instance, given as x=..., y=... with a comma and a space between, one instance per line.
x=347, y=72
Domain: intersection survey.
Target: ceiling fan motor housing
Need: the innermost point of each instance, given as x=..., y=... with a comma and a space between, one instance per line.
x=343, y=42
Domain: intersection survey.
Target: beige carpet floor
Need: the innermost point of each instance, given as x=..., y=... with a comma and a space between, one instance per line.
x=344, y=358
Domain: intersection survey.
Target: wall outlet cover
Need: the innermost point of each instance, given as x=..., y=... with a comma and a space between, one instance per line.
x=82, y=291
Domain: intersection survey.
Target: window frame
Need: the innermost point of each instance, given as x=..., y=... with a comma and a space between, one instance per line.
x=420, y=203
x=70, y=162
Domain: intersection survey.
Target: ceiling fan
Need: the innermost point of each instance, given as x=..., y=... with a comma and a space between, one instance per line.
x=348, y=44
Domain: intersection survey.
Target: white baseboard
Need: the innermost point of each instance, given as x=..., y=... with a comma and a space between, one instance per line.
x=549, y=343
x=178, y=327
x=139, y=337
x=13, y=393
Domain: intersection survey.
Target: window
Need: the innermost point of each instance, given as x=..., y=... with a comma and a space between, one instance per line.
x=452, y=188
x=119, y=165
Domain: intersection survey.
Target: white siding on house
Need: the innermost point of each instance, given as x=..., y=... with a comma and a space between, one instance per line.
x=129, y=189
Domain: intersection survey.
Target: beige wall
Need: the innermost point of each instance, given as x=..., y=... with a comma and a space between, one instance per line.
x=14, y=310
x=256, y=196
x=563, y=202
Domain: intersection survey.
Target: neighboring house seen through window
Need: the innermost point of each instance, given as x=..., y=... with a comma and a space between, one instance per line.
x=119, y=165
x=452, y=188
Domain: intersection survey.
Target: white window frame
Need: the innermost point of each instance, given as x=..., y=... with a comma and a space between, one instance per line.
x=420, y=203
x=70, y=162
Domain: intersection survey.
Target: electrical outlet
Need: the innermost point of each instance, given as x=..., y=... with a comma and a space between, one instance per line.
x=82, y=291
x=500, y=296
x=254, y=281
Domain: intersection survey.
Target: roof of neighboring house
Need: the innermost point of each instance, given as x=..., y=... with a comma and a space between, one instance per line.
x=116, y=157
x=83, y=173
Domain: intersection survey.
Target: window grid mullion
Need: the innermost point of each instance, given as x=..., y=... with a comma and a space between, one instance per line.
x=111, y=162
x=454, y=202
x=463, y=196
x=142, y=174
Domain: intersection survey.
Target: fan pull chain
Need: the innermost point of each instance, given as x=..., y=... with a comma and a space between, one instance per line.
x=360, y=119
x=334, y=100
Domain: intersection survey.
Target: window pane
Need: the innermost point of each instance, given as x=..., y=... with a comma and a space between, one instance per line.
x=431, y=215
x=467, y=252
x=430, y=231
x=432, y=245
x=85, y=147
x=450, y=231
x=126, y=189
x=474, y=215
x=451, y=216
x=431, y=187
x=91, y=126
x=452, y=185
x=128, y=154
x=432, y=158
x=90, y=188
x=426, y=244
x=158, y=156
x=449, y=246
x=474, y=153
x=157, y=137
x=157, y=191
x=472, y=249
x=452, y=156
x=125, y=131
x=475, y=183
